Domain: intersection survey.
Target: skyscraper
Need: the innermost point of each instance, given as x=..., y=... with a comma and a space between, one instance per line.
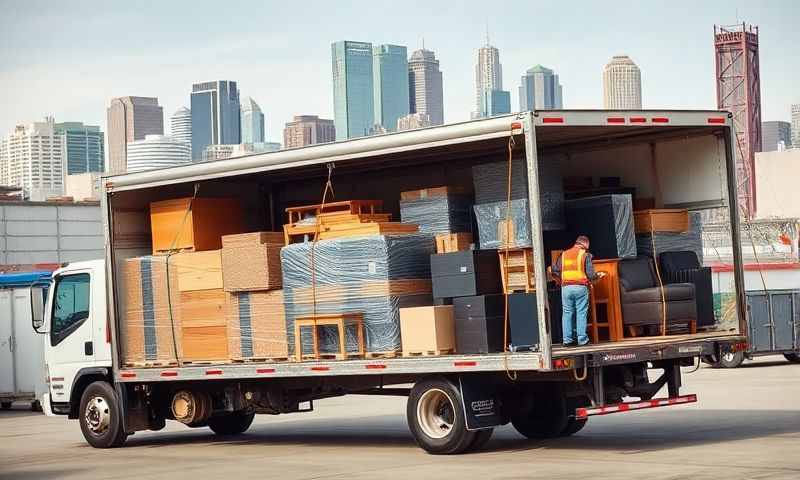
x=413, y=121
x=129, y=119
x=425, y=93
x=215, y=115
x=773, y=133
x=353, y=90
x=622, y=84
x=84, y=147
x=32, y=158
x=181, y=125
x=390, y=84
x=539, y=90
x=308, y=130
x=252, y=121
x=796, y=125
x=489, y=79
x=157, y=151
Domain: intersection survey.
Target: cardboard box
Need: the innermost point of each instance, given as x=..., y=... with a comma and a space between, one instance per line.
x=453, y=242
x=203, y=308
x=252, y=238
x=177, y=227
x=198, y=270
x=251, y=268
x=208, y=343
x=256, y=325
x=427, y=330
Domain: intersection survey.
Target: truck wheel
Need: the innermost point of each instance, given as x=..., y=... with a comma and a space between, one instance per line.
x=575, y=425
x=36, y=406
x=547, y=418
x=99, y=416
x=436, y=417
x=731, y=359
x=6, y=405
x=792, y=357
x=231, y=424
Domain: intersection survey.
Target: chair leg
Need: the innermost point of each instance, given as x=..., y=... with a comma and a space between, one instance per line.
x=632, y=331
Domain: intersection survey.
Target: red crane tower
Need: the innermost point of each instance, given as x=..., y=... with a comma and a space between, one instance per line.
x=739, y=91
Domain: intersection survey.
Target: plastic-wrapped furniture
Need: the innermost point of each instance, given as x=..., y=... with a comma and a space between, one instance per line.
x=684, y=267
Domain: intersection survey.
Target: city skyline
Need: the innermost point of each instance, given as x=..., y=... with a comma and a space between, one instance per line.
x=304, y=84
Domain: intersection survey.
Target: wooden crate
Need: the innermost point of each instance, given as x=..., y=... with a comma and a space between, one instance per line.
x=198, y=270
x=257, y=325
x=252, y=238
x=208, y=343
x=203, y=308
x=661, y=220
x=516, y=270
x=202, y=228
x=427, y=330
x=251, y=268
x=453, y=242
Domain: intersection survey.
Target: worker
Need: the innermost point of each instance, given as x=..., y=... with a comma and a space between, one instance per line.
x=575, y=272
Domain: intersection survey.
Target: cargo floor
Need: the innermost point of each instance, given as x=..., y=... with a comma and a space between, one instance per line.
x=560, y=351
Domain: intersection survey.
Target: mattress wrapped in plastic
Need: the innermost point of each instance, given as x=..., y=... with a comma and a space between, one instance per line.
x=493, y=231
x=372, y=275
x=674, y=242
x=439, y=214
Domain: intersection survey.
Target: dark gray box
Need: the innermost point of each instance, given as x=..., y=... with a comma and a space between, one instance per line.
x=523, y=321
x=464, y=274
x=480, y=323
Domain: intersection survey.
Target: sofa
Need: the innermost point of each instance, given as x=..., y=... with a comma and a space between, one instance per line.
x=641, y=299
x=684, y=267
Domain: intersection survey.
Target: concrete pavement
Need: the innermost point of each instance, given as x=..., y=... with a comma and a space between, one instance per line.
x=746, y=425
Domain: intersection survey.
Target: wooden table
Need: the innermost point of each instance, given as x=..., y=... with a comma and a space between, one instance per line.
x=605, y=292
x=340, y=321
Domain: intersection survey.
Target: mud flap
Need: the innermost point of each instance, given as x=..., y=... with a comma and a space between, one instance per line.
x=481, y=403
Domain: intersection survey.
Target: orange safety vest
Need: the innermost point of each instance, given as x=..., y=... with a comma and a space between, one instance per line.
x=573, y=267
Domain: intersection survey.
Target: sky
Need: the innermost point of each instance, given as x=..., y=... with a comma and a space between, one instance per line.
x=68, y=59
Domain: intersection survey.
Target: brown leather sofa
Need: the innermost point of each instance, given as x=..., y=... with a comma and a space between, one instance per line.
x=642, y=301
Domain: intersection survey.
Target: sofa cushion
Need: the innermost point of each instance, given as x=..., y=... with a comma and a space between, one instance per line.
x=674, y=292
x=637, y=273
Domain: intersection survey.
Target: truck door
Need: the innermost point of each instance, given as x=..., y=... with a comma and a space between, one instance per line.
x=70, y=346
x=6, y=343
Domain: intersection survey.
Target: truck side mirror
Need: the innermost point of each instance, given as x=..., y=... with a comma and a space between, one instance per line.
x=37, y=309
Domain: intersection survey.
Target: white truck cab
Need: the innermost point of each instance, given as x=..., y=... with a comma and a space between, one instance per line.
x=77, y=345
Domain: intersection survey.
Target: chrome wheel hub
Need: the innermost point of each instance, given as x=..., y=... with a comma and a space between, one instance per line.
x=98, y=415
x=435, y=413
x=729, y=356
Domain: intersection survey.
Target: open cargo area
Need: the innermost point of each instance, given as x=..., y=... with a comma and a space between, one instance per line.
x=432, y=243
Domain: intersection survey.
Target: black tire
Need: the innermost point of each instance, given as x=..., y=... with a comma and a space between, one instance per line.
x=575, y=425
x=231, y=424
x=481, y=439
x=104, y=403
x=6, y=405
x=731, y=360
x=792, y=357
x=547, y=417
x=435, y=406
x=36, y=406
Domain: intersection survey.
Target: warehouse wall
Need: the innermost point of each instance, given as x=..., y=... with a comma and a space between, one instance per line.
x=41, y=232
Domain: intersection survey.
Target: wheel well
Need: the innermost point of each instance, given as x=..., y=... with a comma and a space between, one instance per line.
x=83, y=379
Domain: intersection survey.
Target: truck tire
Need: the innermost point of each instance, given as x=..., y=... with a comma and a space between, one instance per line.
x=792, y=357
x=231, y=424
x=6, y=405
x=730, y=359
x=99, y=416
x=547, y=418
x=575, y=425
x=436, y=418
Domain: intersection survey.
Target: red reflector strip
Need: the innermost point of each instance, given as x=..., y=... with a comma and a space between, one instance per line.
x=214, y=372
x=127, y=374
x=552, y=119
x=465, y=364
x=375, y=366
x=716, y=120
x=615, y=120
x=638, y=120
x=516, y=126
x=169, y=373
x=626, y=407
x=320, y=369
x=56, y=379
x=265, y=370
x=659, y=120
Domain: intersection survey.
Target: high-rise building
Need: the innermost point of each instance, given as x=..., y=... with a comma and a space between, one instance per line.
x=353, y=92
x=222, y=152
x=425, y=93
x=85, y=147
x=390, y=84
x=773, y=133
x=181, y=126
x=157, y=151
x=488, y=80
x=539, y=90
x=622, y=84
x=738, y=82
x=252, y=121
x=215, y=115
x=796, y=125
x=308, y=130
x=130, y=119
x=32, y=158
x=414, y=120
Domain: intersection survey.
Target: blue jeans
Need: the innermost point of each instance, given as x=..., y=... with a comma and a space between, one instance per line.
x=575, y=303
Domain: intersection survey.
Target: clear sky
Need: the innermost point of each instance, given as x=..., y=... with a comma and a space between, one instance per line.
x=68, y=59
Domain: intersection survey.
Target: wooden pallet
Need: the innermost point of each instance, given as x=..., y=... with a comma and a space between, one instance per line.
x=333, y=356
x=429, y=353
x=153, y=364
x=207, y=362
x=516, y=270
x=260, y=359
x=374, y=355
